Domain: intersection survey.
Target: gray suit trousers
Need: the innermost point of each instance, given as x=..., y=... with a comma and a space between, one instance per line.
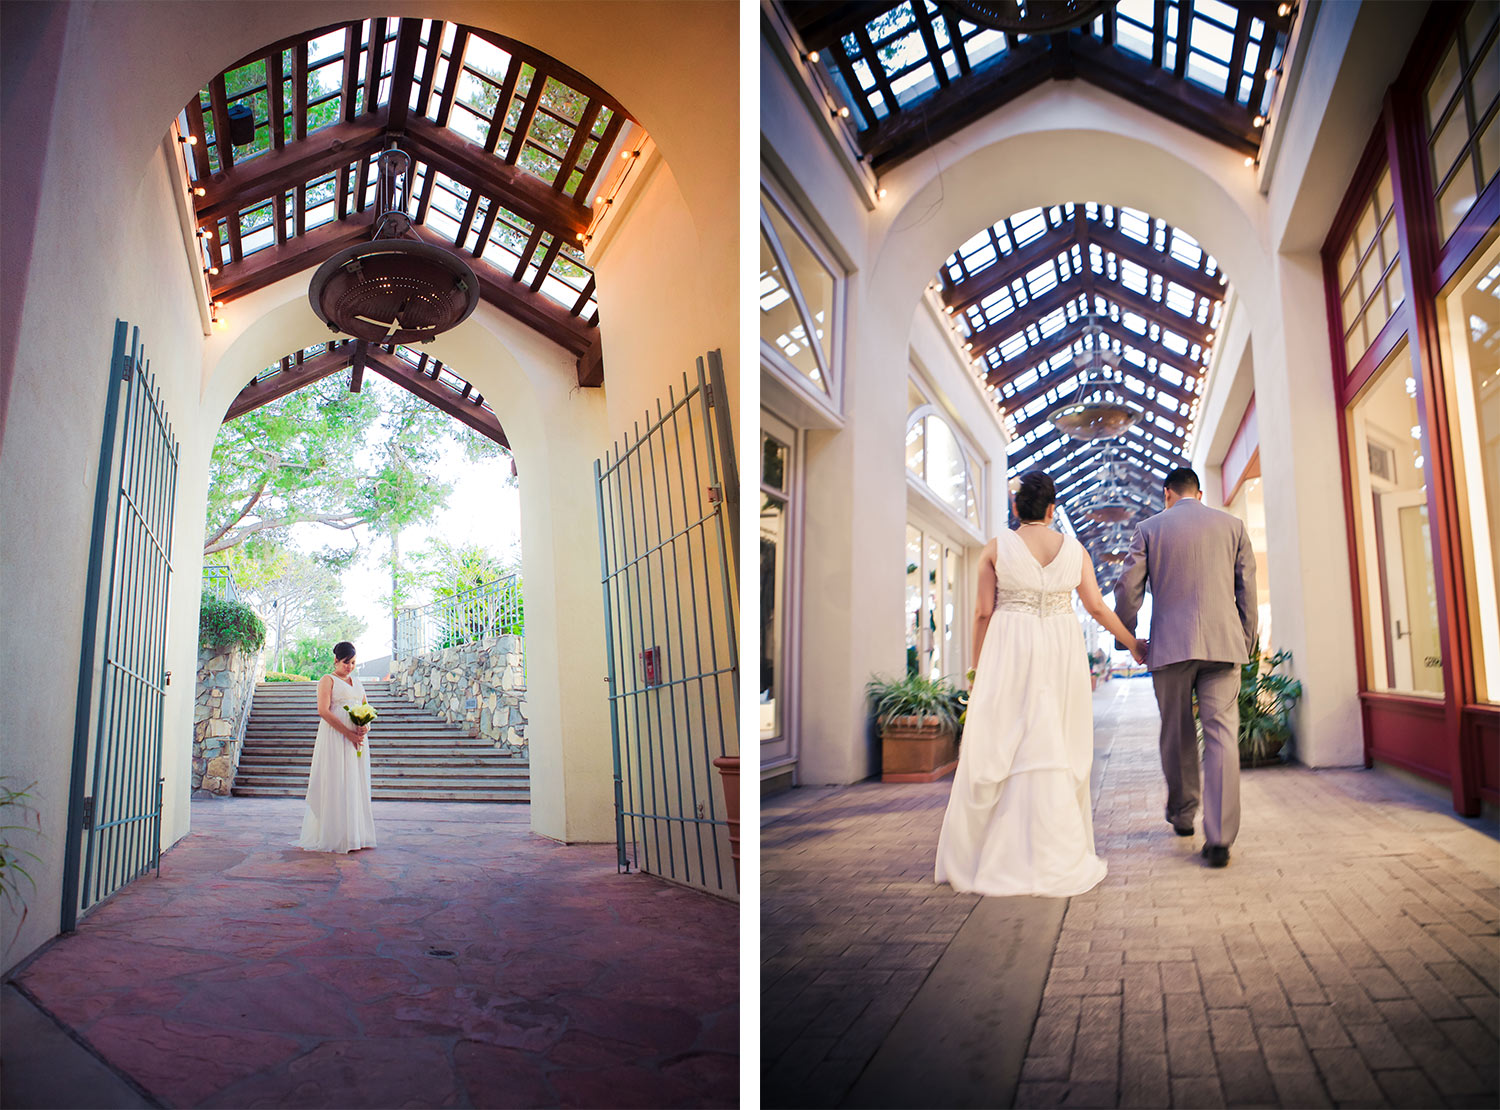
x=1218, y=688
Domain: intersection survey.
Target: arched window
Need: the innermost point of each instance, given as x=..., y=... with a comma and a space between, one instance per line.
x=935, y=454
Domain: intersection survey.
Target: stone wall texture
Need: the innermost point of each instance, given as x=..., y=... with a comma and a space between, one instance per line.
x=226, y=681
x=481, y=687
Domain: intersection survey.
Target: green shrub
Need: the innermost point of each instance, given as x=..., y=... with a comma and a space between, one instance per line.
x=224, y=623
x=282, y=676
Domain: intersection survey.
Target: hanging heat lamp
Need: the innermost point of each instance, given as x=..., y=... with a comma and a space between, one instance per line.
x=395, y=288
x=1098, y=410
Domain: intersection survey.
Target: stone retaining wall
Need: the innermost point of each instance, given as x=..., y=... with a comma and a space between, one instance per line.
x=481, y=687
x=226, y=681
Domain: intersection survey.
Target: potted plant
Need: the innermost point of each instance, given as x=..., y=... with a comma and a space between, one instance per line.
x=918, y=723
x=1267, y=698
x=1098, y=667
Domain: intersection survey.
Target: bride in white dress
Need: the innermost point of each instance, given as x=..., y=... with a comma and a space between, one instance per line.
x=1019, y=820
x=339, y=817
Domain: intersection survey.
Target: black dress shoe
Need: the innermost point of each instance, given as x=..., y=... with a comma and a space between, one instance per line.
x=1183, y=830
x=1216, y=854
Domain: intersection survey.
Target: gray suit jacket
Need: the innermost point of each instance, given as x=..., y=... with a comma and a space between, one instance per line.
x=1201, y=570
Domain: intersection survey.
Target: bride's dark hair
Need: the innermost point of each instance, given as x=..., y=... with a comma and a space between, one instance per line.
x=1036, y=493
x=343, y=650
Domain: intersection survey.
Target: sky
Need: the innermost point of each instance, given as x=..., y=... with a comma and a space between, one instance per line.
x=482, y=509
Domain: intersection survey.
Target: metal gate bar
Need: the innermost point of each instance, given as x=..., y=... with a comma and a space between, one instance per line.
x=662, y=534
x=114, y=829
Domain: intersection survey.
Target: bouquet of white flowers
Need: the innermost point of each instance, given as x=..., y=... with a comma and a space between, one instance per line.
x=361, y=714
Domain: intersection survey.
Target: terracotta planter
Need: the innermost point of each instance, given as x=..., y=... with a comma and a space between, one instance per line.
x=916, y=749
x=729, y=771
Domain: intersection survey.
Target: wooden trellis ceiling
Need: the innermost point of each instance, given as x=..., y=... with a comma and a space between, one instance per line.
x=428, y=378
x=1026, y=292
x=508, y=146
x=912, y=73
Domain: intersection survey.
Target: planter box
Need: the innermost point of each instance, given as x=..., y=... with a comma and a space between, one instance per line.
x=913, y=750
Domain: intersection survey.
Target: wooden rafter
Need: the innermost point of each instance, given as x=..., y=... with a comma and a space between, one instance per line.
x=367, y=123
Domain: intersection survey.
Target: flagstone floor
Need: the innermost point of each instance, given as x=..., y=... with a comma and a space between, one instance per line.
x=1348, y=956
x=464, y=962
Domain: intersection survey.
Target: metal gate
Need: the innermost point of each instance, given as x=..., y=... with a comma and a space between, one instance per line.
x=114, y=809
x=668, y=518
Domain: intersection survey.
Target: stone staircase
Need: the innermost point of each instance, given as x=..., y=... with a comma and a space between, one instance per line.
x=414, y=755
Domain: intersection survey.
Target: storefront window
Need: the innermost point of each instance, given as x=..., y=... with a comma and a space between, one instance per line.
x=1390, y=468
x=798, y=291
x=775, y=456
x=935, y=455
x=1471, y=318
x=1463, y=132
x=1370, y=286
x=1249, y=505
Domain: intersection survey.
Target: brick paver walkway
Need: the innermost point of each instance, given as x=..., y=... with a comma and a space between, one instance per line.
x=463, y=962
x=1347, y=956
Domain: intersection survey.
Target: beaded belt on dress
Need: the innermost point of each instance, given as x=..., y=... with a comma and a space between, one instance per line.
x=1039, y=603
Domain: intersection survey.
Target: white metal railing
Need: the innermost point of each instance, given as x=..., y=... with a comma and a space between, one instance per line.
x=491, y=610
x=219, y=582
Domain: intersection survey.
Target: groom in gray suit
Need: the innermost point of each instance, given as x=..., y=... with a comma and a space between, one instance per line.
x=1201, y=572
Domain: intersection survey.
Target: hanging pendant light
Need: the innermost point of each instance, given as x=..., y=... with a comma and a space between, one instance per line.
x=1111, y=502
x=1097, y=410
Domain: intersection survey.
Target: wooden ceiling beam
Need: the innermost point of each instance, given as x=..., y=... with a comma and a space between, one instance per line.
x=403, y=70
x=264, y=391
x=821, y=23
x=1158, y=313
x=1029, y=313
x=270, y=264
x=1043, y=352
x=1112, y=239
x=1008, y=267
x=395, y=368
x=527, y=196
x=1166, y=94
x=966, y=100
x=230, y=192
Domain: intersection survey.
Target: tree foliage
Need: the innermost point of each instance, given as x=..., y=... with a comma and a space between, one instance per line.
x=323, y=455
x=225, y=623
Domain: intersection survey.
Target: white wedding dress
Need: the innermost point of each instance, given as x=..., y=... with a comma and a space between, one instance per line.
x=1019, y=819
x=338, y=817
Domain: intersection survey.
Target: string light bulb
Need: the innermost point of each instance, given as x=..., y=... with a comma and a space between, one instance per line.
x=1249, y=161
x=1260, y=121
x=814, y=57
x=880, y=192
x=210, y=270
x=188, y=140
x=203, y=233
x=199, y=191
x=841, y=112
x=1283, y=10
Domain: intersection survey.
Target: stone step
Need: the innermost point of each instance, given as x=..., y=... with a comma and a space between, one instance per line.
x=461, y=777
x=399, y=794
x=383, y=760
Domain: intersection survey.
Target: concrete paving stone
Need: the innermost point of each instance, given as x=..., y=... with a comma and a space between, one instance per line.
x=1244, y=1078
x=1143, y=1079
x=1346, y=1076
x=1474, y=1043
x=1320, y=1027
x=1053, y=1035
x=1410, y=1025
x=1190, y=1053
x=1352, y=1004
x=1284, y=1049
x=1451, y=1075
x=1040, y=1068
x=1042, y=1093
x=1458, y=979
x=1487, y=1011
x=1232, y=1031
x=1201, y=1092
x=1223, y=991
x=1180, y=976
x=1437, y=1001
x=1408, y=1087
x=1143, y=1033
x=1379, y=1046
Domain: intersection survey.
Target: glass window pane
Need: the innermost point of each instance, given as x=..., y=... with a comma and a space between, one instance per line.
x=1403, y=651
x=915, y=442
x=1480, y=19
x=945, y=464
x=1455, y=201
x=780, y=322
x=1365, y=234
x=1369, y=273
x=1489, y=149
x=1388, y=243
x=1444, y=85
x=913, y=600
x=1395, y=289
x=1448, y=144
x=931, y=612
x=772, y=608
x=1485, y=82
x=1346, y=265
x=813, y=279
x=1383, y=195
x=1351, y=307
x=773, y=462
x=1472, y=315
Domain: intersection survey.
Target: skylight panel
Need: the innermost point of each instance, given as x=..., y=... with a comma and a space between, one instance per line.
x=1134, y=321
x=1185, y=249
x=997, y=304
x=1028, y=225
x=1135, y=224
x=1180, y=300
x=1014, y=346
x=983, y=45
x=1133, y=276
x=1052, y=323
x=1041, y=278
